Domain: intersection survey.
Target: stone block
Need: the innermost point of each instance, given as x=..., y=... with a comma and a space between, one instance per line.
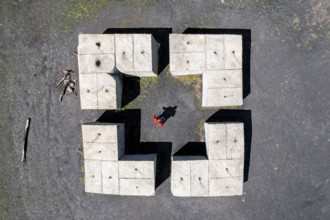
x=88, y=91
x=215, y=140
x=96, y=63
x=180, y=176
x=222, y=79
x=199, y=179
x=233, y=51
x=235, y=140
x=110, y=180
x=124, y=52
x=187, y=43
x=176, y=42
x=109, y=91
x=215, y=52
x=96, y=44
x=137, y=166
x=225, y=168
x=193, y=43
x=103, y=132
x=145, y=55
x=137, y=187
x=93, y=181
x=187, y=63
x=226, y=186
x=222, y=97
x=101, y=151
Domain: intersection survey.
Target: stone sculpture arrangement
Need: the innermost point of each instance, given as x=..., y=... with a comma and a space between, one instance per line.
x=103, y=58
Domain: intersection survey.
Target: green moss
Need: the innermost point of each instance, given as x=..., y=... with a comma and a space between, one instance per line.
x=148, y=82
x=138, y=4
x=189, y=80
x=70, y=12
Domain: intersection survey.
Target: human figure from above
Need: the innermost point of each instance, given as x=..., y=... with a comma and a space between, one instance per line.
x=162, y=118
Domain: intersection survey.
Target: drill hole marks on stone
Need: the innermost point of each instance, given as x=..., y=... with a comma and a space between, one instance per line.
x=98, y=63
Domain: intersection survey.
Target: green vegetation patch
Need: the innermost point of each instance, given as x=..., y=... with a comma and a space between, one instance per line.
x=69, y=12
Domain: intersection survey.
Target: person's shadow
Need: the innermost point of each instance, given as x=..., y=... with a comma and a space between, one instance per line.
x=167, y=113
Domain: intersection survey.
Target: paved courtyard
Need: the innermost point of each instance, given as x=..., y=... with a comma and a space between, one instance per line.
x=286, y=107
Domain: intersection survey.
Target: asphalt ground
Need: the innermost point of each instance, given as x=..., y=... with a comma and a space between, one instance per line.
x=286, y=109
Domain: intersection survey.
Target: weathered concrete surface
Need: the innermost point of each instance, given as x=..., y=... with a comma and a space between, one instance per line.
x=289, y=101
x=224, y=142
x=100, y=91
x=137, y=54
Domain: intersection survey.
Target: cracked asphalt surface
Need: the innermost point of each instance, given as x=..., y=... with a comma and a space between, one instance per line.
x=289, y=104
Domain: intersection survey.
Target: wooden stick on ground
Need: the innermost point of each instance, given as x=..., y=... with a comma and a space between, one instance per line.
x=27, y=127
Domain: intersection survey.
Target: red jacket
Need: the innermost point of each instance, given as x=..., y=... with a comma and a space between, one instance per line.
x=157, y=122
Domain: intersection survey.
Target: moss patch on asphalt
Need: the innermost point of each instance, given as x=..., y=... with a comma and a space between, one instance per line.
x=72, y=11
x=192, y=81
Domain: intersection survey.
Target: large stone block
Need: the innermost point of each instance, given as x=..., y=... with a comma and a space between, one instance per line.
x=110, y=180
x=215, y=52
x=145, y=55
x=216, y=140
x=88, y=91
x=187, y=43
x=101, y=151
x=235, y=140
x=103, y=132
x=225, y=168
x=93, y=181
x=222, y=97
x=124, y=52
x=137, y=54
x=199, y=179
x=180, y=176
x=109, y=91
x=137, y=187
x=231, y=186
x=96, y=63
x=137, y=166
x=96, y=44
x=187, y=63
x=233, y=51
x=222, y=79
